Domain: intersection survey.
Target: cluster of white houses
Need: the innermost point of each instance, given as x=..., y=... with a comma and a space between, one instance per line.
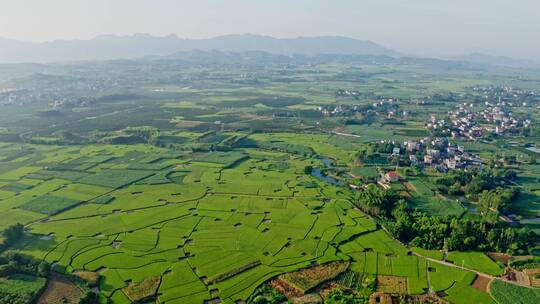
x=339, y=110
x=437, y=152
x=464, y=123
x=348, y=93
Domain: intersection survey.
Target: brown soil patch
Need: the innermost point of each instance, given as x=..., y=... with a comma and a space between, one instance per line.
x=423, y=299
x=380, y=298
x=500, y=257
x=481, y=283
x=288, y=290
x=534, y=276
x=146, y=289
x=309, y=278
x=386, y=298
x=326, y=288
x=522, y=278
x=92, y=278
x=311, y=298
x=405, y=194
x=409, y=186
x=61, y=290
x=391, y=284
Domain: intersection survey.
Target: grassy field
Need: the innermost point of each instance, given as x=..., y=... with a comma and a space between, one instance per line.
x=49, y=204
x=206, y=218
x=434, y=254
x=20, y=289
x=366, y=172
x=198, y=188
x=477, y=261
x=462, y=293
x=223, y=227
x=425, y=198
x=505, y=293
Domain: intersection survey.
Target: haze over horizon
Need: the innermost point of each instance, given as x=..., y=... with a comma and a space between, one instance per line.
x=269, y=151
x=422, y=27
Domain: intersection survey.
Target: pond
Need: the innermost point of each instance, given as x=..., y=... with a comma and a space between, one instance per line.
x=326, y=161
x=317, y=172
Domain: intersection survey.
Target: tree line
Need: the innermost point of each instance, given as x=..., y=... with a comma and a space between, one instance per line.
x=447, y=232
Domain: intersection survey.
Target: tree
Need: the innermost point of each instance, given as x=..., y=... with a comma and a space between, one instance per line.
x=44, y=268
x=403, y=225
x=260, y=300
x=455, y=189
x=373, y=200
x=510, y=175
x=475, y=186
x=12, y=234
x=492, y=239
x=89, y=298
x=492, y=202
x=337, y=296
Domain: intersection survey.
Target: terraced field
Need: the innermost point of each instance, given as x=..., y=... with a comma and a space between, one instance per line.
x=206, y=176
x=187, y=228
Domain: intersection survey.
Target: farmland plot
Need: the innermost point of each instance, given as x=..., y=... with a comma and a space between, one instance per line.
x=206, y=225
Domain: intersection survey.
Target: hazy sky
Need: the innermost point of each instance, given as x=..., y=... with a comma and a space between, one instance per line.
x=427, y=27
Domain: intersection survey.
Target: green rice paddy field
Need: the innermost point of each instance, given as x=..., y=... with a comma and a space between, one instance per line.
x=506, y=293
x=209, y=225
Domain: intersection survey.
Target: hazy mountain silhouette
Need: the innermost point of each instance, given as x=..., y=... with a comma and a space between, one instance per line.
x=140, y=45
x=480, y=58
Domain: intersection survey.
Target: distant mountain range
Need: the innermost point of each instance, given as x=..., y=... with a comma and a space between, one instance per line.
x=107, y=47
x=142, y=45
x=485, y=59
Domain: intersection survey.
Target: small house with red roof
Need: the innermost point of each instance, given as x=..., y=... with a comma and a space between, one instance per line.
x=391, y=176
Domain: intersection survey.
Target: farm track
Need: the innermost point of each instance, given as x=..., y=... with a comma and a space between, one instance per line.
x=489, y=292
x=491, y=277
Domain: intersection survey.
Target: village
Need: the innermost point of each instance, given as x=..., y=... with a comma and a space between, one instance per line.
x=432, y=154
x=385, y=106
x=466, y=123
